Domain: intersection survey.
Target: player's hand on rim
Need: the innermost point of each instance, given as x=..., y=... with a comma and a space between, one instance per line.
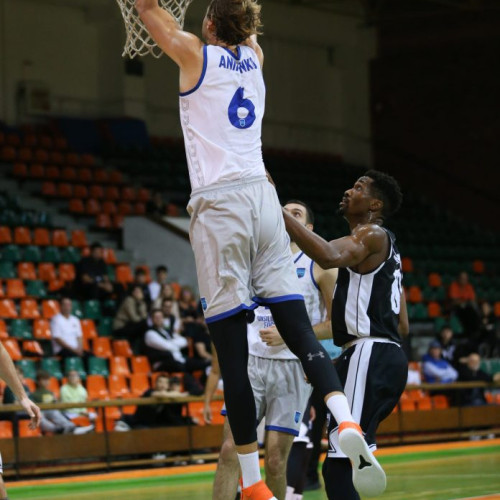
x=271, y=336
x=33, y=411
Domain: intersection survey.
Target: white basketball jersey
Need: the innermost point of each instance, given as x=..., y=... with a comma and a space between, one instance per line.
x=221, y=118
x=263, y=319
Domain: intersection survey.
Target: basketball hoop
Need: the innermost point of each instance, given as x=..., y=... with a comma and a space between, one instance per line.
x=138, y=42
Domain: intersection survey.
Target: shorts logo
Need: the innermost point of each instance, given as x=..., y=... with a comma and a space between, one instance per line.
x=203, y=303
x=301, y=272
x=297, y=417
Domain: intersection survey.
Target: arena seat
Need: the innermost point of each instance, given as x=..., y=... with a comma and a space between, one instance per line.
x=143, y=195
x=5, y=235
x=128, y=193
x=15, y=289
x=32, y=254
x=22, y=236
x=47, y=271
x=20, y=329
x=50, y=308
x=76, y=206
x=6, y=429
x=26, y=271
x=105, y=327
x=92, y=309
x=71, y=255
x=122, y=348
x=115, y=177
x=118, y=387
x=101, y=347
x=124, y=274
x=111, y=193
x=41, y=237
x=52, y=172
x=407, y=405
x=440, y=402
x=8, y=154
x=433, y=309
x=139, y=208
x=96, y=387
x=100, y=176
x=98, y=366
x=7, y=270
x=41, y=329
x=32, y=348
x=66, y=271
x=109, y=207
x=7, y=309
x=424, y=403
x=80, y=191
x=119, y=366
x=29, y=309
x=64, y=190
x=415, y=294
x=59, y=238
x=139, y=384
x=78, y=238
x=109, y=256
x=26, y=432
x=24, y=154
x=96, y=191
x=75, y=363
x=478, y=266
x=20, y=170
x=124, y=208
x=52, y=366
x=55, y=387
x=84, y=175
x=88, y=329
x=41, y=155
x=56, y=285
x=4, y=334
x=35, y=288
x=12, y=348
x=37, y=171
x=92, y=207
x=56, y=157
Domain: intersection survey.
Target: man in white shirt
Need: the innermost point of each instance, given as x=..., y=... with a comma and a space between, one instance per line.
x=161, y=279
x=67, y=337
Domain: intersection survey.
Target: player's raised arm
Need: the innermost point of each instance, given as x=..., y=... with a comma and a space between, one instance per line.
x=251, y=42
x=182, y=47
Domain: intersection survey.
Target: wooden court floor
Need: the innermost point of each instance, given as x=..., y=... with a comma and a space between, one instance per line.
x=431, y=472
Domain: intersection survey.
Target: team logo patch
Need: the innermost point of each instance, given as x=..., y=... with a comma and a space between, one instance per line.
x=301, y=272
x=297, y=417
x=203, y=303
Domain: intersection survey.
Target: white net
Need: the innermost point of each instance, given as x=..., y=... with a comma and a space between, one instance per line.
x=138, y=42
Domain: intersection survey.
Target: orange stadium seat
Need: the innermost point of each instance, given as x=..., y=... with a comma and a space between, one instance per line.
x=96, y=192
x=195, y=410
x=60, y=142
x=45, y=141
x=12, y=348
x=2, y=294
x=115, y=177
x=407, y=265
x=85, y=175
x=124, y=274
x=140, y=209
x=29, y=309
x=67, y=272
x=49, y=188
x=72, y=159
x=8, y=153
x=64, y=190
x=56, y=157
x=96, y=387
x=478, y=266
x=440, y=402
x=20, y=170
x=118, y=387
x=60, y=238
x=76, y=206
x=407, y=405
x=109, y=207
x=143, y=195
x=37, y=171
x=122, y=348
x=415, y=294
x=6, y=429
x=15, y=289
x=100, y=176
x=424, y=404
x=3, y=330
x=5, y=235
x=52, y=172
x=433, y=309
x=102, y=347
x=29, y=140
x=41, y=329
x=128, y=194
x=30, y=383
x=88, y=159
x=32, y=348
x=80, y=191
x=24, y=154
x=118, y=366
x=47, y=271
x=55, y=285
x=112, y=193
x=497, y=309
x=13, y=139
x=41, y=155
x=41, y=237
x=22, y=236
x=92, y=207
x=54, y=387
x=88, y=328
x=124, y=208
x=140, y=365
x=68, y=173
x=109, y=256
x=26, y=271
x=50, y=308
x=435, y=280
x=117, y=221
x=139, y=384
x=78, y=238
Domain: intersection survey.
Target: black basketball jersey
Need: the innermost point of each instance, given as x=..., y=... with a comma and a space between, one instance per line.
x=367, y=305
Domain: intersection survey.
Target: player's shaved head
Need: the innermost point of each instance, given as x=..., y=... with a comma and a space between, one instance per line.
x=235, y=20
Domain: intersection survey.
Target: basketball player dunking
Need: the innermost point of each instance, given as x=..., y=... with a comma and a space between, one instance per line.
x=368, y=315
x=237, y=231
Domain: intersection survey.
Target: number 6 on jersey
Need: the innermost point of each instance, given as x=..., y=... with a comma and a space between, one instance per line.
x=241, y=111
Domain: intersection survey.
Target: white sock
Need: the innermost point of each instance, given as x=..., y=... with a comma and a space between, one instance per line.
x=339, y=407
x=250, y=468
x=290, y=495
x=297, y=497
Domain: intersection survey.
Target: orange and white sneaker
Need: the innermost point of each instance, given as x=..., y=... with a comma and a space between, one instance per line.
x=367, y=474
x=258, y=491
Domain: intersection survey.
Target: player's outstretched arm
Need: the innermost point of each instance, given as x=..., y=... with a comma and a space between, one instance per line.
x=182, y=47
x=251, y=42
x=343, y=252
x=8, y=373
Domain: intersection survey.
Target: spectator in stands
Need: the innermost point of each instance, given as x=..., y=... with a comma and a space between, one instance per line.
x=435, y=368
x=202, y=345
x=53, y=420
x=74, y=392
x=92, y=280
x=131, y=319
x=171, y=324
x=188, y=311
x=141, y=279
x=489, y=332
x=167, y=292
x=470, y=371
x=447, y=343
x=155, y=287
x=164, y=349
x=158, y=415
x=463, y=298
x=67, y=337
x=156, y=206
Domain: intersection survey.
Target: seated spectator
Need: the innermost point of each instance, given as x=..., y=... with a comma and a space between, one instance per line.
x=159, y=415
x=161, y=279
x=470, y=371
x=202, y=345
x=489, y=331
x=131, y=319
x=53, y=420
x=141, y=279
x=74, y=392
x=92, y=280
x=164, y=349
x=171, y=324
x=447, y=343
x=435, y=368
x=463, y=298
x=67, y=337
x=156, y=206
x=167, y=292
x=188, y=310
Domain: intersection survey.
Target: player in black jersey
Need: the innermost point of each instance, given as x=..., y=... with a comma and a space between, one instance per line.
x=368, y=315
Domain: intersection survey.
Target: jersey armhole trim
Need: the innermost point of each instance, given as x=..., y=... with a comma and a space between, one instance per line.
x=311, y=270
x=202, y=77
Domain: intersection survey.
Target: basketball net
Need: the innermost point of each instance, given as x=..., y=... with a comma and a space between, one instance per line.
x=138, y=42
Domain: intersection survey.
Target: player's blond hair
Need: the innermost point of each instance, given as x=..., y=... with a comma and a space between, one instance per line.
x=235, y=20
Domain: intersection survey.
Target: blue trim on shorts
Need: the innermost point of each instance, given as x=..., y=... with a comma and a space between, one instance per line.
x=202, y=77
x=223, y=412
x=275, y=300
x=231, y=312
x=286, y=430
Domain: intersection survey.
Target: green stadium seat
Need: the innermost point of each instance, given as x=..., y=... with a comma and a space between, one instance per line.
x=111, y=273
x=36, y=288
x=456, y=326
x=92, y=309
x=75, y=364
x=52, y=254
x=7, y=270
x=420, y=312
x=52, y=366
x=20, y=329
x=76, y=309
x=98, y=366
x=32, y=254
x=71, y=255
x=28, y=368
x=105, y=327
x=11, y=253
x=109, y=307
x=494, y=366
